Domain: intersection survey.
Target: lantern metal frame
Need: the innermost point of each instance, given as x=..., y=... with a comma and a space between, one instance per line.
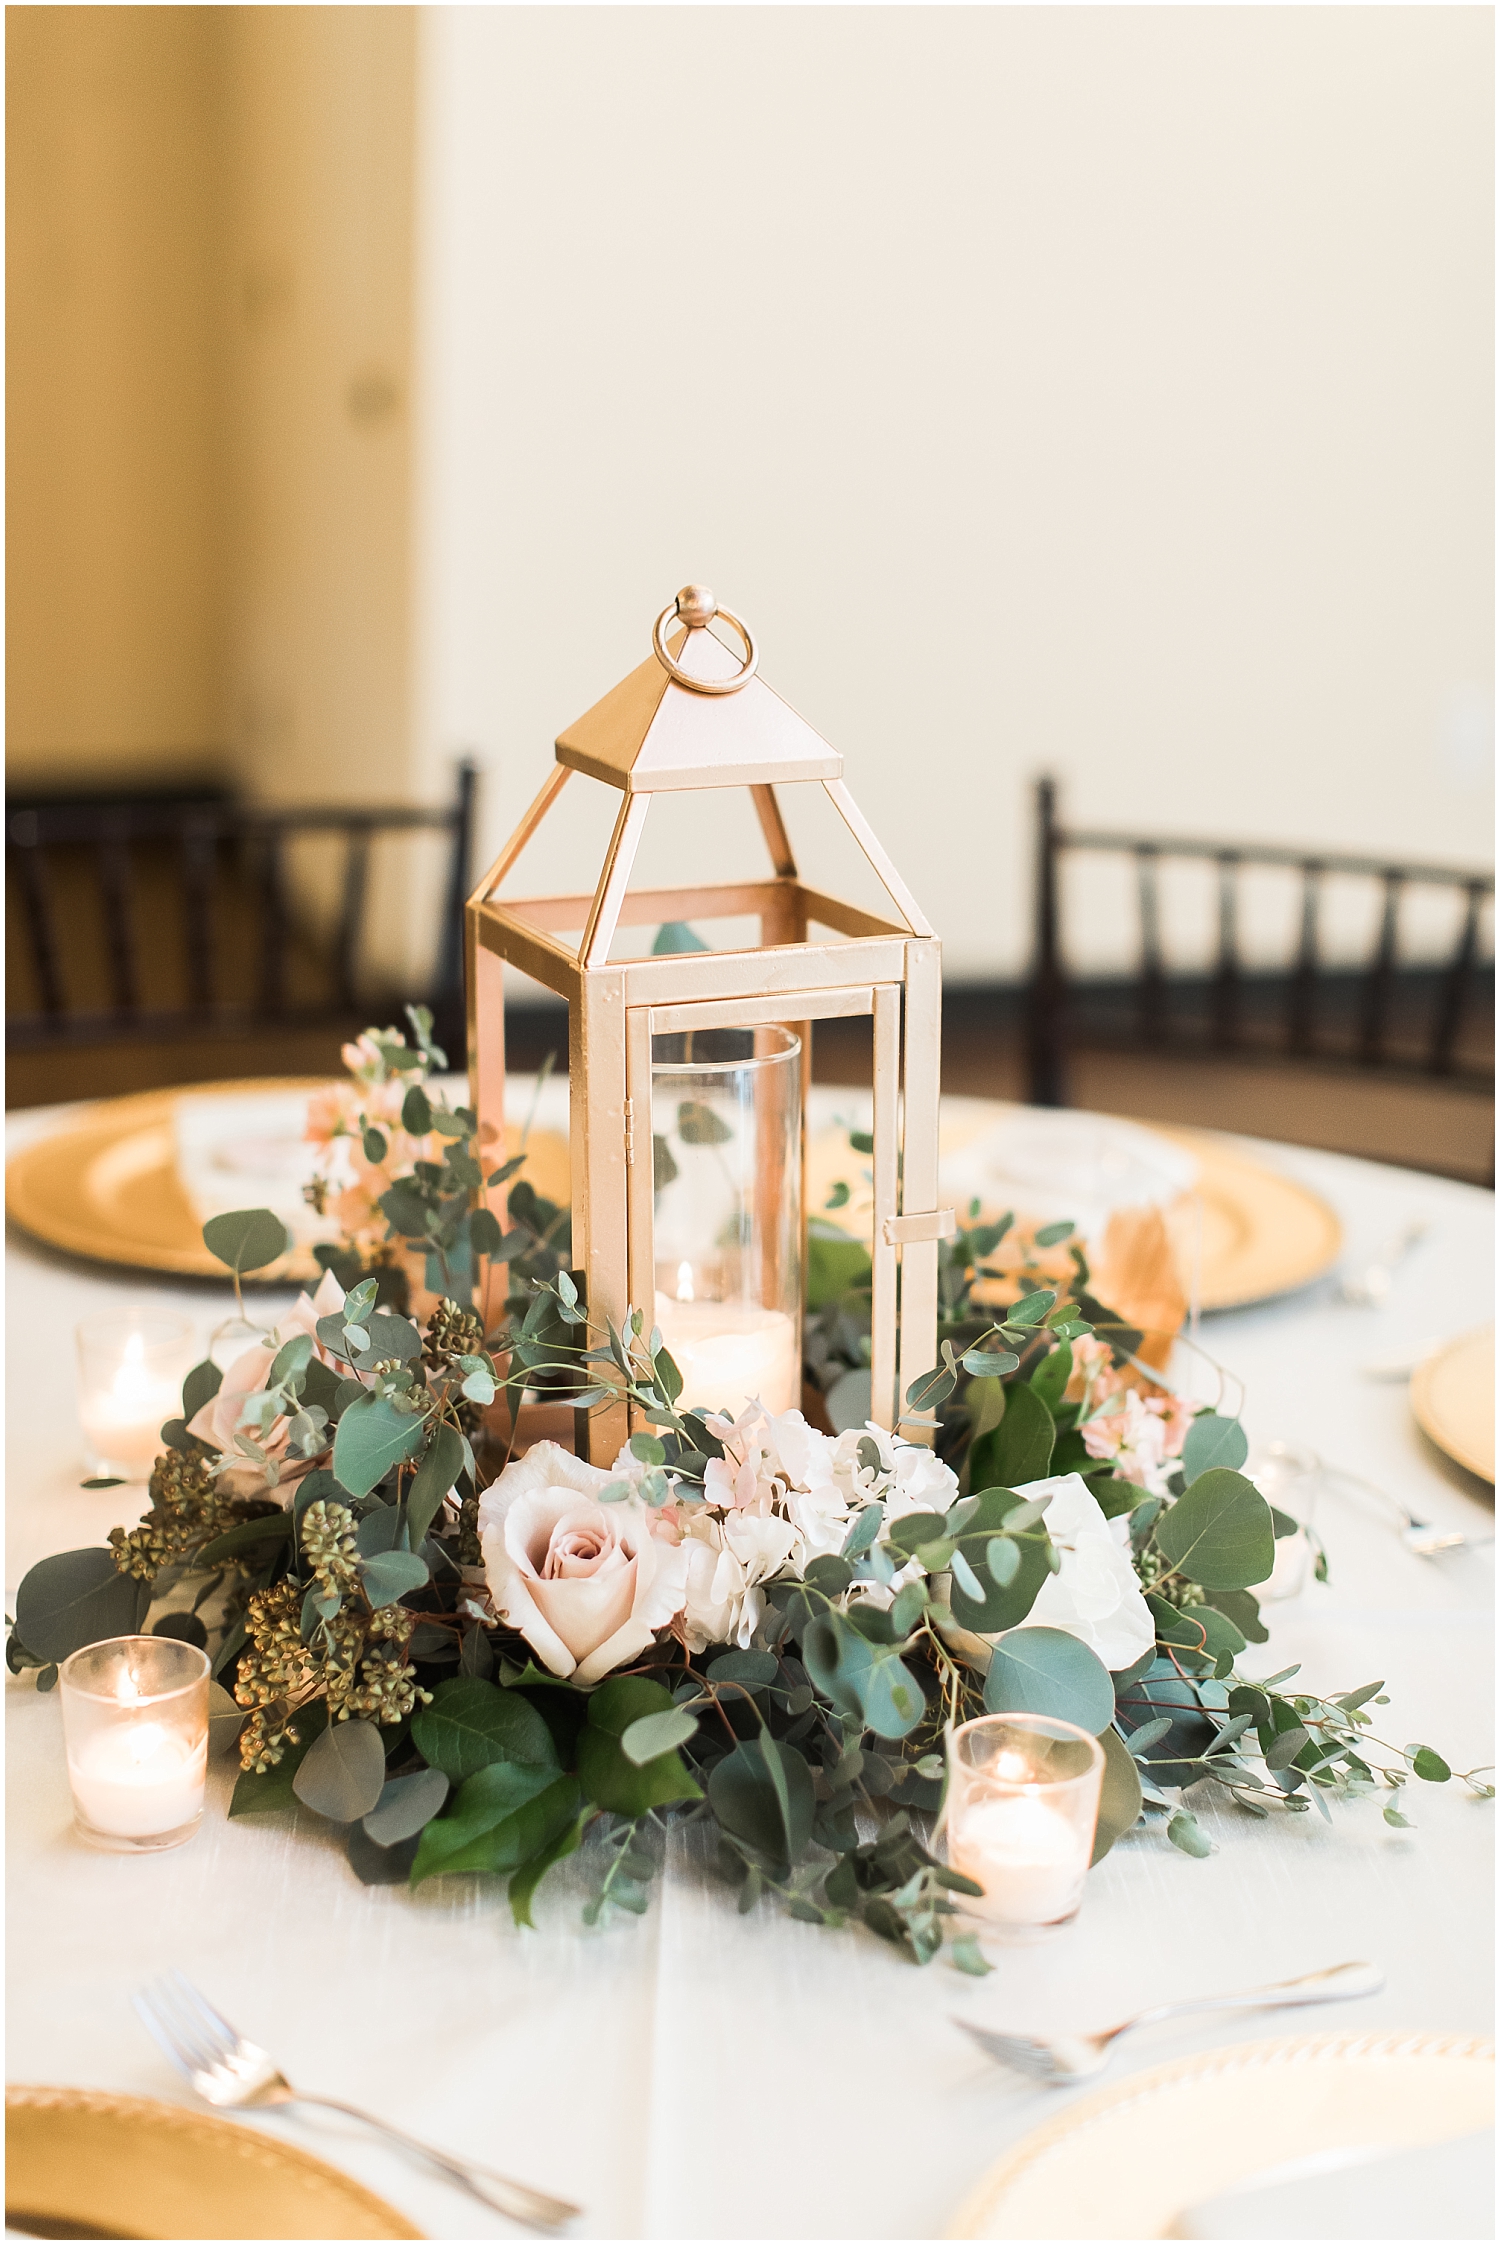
x=697, y=715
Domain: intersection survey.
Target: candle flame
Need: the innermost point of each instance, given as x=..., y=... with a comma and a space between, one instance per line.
x=132, y=1381
x=685, y=1282
x=127, y=1690
x=1012, y=1766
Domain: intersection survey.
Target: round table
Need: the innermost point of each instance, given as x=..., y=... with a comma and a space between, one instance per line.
x=699, y=2074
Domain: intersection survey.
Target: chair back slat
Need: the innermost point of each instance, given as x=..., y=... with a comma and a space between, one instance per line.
x=1226, y=1000
x=1150, y=980
x=1302, y=994
x=351, y=913
x=29, y=859
x=273, y=924
x=199, y=860
x=1045, y=1036
x=1375, y=1024
x=113, y=853
x=1453, y=995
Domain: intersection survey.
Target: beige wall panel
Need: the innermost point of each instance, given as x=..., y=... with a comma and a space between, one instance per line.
x=320, y=272
x=113, y=488
x=1106, y=391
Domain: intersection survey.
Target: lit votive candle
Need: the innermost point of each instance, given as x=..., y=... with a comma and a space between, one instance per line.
x=135, y=1719
x=131, y=1365
x=1023, y=1802
x=728, y=1352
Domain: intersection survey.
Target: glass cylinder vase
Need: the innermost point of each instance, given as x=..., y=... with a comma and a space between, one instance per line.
x=726, y=1123
x=135, y=1719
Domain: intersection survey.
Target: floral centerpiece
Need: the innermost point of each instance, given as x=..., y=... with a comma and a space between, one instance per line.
x=470, y=1661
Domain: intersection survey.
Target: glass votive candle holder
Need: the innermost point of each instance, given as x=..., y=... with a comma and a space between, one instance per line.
x=135, y=1719
x=1023, y=1801
x=131, y=1366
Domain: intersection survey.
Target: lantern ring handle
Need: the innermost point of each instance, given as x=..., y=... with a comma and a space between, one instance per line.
x=742, y=676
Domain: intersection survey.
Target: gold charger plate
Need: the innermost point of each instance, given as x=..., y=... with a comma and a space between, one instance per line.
x=86, y=2163
x=106, y=1186
x=1453, y=1400
x=1252, y=1232
x=1225, y=2116
x=1262, y=1234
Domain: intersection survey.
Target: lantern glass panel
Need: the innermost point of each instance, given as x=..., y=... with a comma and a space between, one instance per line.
x=726, y=1125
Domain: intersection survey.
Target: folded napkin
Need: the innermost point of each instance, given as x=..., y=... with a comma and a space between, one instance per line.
x=250, y=1150
x=1442, y=2190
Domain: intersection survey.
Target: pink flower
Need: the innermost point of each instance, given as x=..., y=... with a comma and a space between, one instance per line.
x=587, y=1584
x=219, y=1419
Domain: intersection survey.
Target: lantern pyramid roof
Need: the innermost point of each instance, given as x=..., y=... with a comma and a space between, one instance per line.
x=650, y=733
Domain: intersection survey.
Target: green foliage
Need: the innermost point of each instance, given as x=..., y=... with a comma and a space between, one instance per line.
x=77, y=1598
x=1019, y=1449
x=246, y=1240
x=1039, y=1671
x=1212, y=1441
x=762, y=1795
x=342, y=1774
x=1120, y=1798
x=373, y=1435
x=405, y=1805
x=611, y=1778
x=471, y=1724
x=1219, y=1533
x=502, y=1817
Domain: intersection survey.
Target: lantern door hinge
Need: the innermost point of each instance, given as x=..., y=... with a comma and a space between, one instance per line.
x=933, y=1223
x=629, y=1132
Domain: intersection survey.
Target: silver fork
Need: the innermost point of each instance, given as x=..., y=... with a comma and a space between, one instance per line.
x=224, y=2069
x=1423, y=1537
x=1062, y=2059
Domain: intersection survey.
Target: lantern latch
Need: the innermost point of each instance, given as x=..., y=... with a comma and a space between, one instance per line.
x=931, y=1223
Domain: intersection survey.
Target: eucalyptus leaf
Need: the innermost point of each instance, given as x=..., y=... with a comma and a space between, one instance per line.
x=442, y=1463
x=1219, y=1533
x=1019, y=1449
x=1119, y=1797
x=77, y=1598
x=372, y=1437
x=1038, y=1671
x=247, y=1239
x=652, y=1735
x=389, y=1575
x=201, y=1386
x=343, y=1774
x=776, y=1821
x=405, y=1805
x=1212, y=1441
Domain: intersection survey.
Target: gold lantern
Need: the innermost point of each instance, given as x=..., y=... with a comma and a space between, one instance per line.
x=688, y=1069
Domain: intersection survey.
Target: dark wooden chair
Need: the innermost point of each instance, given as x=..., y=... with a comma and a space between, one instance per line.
x=1420, y=1018
x=154, y=919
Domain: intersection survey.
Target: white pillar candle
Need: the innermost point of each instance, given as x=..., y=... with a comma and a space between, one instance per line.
x=1030, y=1858
x=730, y=1352
x=136, y=1780
x=122, y=1421
x=131, y=1363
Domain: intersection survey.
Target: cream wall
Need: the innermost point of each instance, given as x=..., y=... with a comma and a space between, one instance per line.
x=114, y=562
x=1105, y=391
x=319, y=255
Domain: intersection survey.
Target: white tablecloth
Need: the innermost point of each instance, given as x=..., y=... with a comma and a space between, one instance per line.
x=697, y=2074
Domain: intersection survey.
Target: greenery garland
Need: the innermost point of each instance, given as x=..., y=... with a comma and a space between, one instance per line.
x=324, y=1533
